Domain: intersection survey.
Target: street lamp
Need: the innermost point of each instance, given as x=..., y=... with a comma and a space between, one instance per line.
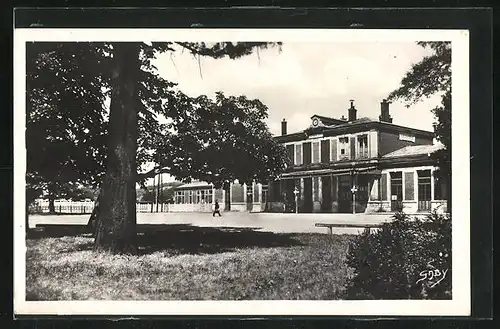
x=296, y=192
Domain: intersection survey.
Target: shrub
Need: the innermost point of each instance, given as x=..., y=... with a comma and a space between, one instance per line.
x=404, y=259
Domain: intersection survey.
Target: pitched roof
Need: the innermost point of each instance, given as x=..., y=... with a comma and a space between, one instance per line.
x=328, y=121
x=360, y=120
x=414, y=150
x=332, y=128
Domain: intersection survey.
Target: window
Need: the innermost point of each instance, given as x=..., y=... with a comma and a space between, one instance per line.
x=315, y=151
x=344, y=147
x=208, y=196
x=179, y=197
x=190, y=195
x=424, y=185
x=424, y=190
x=362, y=147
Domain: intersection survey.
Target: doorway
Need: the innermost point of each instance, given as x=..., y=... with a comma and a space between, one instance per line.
x=396, y=191
x=345, y=194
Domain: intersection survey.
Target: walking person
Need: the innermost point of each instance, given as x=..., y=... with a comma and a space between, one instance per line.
x=216, y=209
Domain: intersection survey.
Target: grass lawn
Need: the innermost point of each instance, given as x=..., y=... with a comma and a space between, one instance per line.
x=182, y=262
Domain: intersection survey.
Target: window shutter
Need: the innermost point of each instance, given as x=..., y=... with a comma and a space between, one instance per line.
x=409, y=186
x=353, y=148
x=289, y=153
x=325, y=151
x=334, y=150
x=383, y=187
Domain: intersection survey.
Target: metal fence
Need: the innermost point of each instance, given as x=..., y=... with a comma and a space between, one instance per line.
x=86, y=207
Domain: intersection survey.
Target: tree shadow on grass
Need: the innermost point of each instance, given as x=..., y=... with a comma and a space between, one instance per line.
x=187, y=239
x=57, y=231
x=177, y=239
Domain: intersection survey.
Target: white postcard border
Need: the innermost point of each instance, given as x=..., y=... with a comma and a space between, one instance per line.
x=460, y=304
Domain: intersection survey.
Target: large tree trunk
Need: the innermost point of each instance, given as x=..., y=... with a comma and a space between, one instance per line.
x=92, y=223
x=116, y=223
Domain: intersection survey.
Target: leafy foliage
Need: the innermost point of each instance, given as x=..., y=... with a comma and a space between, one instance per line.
x=429, y=76
x=231, y=50
x=221, y=140
x=65, y=114
x=442, y=125
x=389, y=263
x=432, y=75
x=67, y=121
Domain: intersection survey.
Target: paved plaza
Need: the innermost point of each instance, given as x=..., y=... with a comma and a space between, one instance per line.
x=270, y=222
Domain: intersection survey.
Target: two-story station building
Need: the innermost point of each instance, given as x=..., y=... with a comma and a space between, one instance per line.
x=389, y=166
x=375, y=165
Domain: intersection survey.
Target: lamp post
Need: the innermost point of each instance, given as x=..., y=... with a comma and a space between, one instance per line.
x=296, y=192
x=354, y=189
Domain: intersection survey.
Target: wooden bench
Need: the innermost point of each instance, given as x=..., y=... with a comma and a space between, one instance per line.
x=329, y=226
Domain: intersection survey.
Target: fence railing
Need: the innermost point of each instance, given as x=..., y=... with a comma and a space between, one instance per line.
x=84, y=207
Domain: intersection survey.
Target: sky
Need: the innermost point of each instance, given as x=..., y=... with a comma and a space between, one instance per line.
x=308, y=78
x=304, y=79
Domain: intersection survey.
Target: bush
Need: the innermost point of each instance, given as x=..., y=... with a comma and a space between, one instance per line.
x=404, y=259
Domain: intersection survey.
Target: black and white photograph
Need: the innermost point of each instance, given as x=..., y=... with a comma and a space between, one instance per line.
x=233, y=171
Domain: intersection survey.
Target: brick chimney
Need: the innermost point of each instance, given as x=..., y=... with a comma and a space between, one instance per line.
x=352, y=111
x=283, y=127
x=384, y=112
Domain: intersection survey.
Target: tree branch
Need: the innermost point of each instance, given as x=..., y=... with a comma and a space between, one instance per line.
x=153, y=172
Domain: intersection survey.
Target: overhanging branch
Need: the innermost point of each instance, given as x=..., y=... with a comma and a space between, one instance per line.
x=153, y=172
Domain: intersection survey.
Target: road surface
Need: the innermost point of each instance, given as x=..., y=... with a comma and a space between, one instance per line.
x=270, y=222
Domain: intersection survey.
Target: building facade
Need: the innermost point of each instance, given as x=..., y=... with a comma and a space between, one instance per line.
x=357, y=165
x=201, y=196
